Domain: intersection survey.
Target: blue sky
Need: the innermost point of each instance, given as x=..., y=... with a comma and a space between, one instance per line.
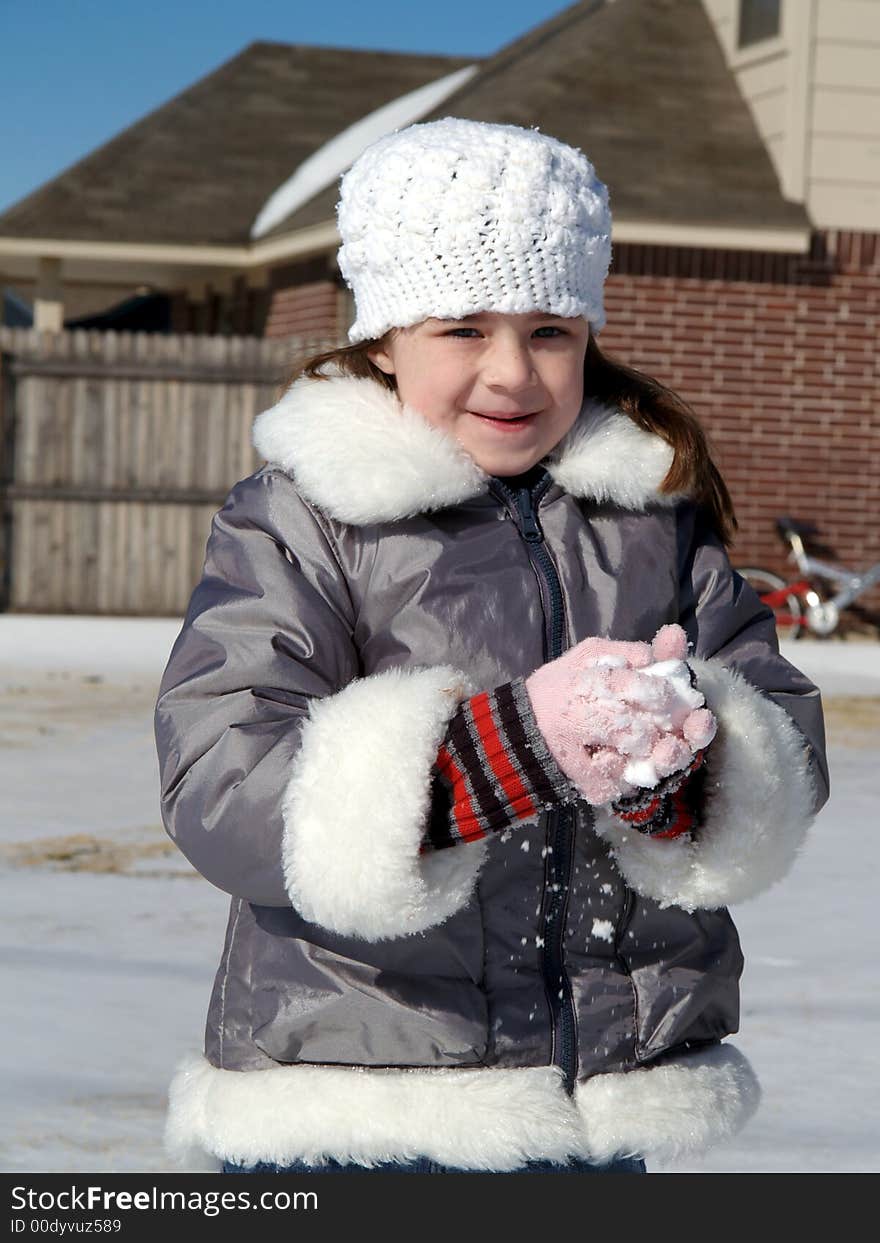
x=76, y=72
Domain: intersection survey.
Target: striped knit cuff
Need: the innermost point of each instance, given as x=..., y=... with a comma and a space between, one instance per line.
x=492, y=769
x=671, y=808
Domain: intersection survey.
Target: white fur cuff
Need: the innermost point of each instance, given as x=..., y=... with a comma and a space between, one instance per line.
x=759, y=799
x=357, y=803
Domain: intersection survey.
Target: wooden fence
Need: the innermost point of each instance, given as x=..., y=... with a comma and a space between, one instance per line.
x=116, y=449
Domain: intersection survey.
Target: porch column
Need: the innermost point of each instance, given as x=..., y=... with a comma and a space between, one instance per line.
x=49, y=302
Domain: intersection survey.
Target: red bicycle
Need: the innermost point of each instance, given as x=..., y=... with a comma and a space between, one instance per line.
x=804, y=606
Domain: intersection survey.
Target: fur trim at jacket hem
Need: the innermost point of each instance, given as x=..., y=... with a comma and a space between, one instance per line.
x=364, y=762
x=481, y=1119
x=759, y=802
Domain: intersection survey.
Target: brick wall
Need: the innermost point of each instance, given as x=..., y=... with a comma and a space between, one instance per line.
x=311, y=309
x=306, y=299
x=778, y=356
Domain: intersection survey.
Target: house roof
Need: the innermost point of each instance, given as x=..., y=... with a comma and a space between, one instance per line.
x=643, y=88
x=198, y=169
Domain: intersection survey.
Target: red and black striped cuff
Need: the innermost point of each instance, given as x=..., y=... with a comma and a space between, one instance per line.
x=672, y=807
x=492, y=769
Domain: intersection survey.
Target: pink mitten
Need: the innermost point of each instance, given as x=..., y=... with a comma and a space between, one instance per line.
x=618, y=716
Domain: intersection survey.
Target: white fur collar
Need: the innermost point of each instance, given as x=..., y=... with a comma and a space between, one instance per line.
x=362, y=457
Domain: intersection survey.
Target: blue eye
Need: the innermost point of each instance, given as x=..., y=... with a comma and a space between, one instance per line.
x=454, y=332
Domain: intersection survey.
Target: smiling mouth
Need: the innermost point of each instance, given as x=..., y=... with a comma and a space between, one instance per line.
x=505, y=418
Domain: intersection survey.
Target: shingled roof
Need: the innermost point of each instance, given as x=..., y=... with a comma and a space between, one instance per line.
x=643, y=88
x=199, y=168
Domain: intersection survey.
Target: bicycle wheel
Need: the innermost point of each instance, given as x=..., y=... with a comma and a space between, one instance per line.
x=787, y=606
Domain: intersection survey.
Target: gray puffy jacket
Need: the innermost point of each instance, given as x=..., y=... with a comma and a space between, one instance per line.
x=562, y=987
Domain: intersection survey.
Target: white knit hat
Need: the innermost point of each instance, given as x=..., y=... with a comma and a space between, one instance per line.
x=453, y=217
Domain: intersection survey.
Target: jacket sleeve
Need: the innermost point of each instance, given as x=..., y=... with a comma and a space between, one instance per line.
x=766, y=772
x=287, y=778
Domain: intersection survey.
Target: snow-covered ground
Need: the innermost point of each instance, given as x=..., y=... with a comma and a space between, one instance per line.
x=111, y=941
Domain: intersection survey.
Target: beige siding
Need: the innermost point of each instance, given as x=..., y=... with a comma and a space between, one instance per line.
x=850, y=207
x=815, y=97
x=853, y=113
x=843, y=186
x=857, y=21
x=758, y=78
x=846, y=160
x=854, y=66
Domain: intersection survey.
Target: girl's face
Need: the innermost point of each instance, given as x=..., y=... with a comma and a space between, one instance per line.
x=473, y=376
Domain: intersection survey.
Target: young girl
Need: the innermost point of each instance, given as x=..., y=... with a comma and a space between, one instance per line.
x=473, y=719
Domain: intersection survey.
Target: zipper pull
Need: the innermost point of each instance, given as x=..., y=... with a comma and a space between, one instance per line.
x=530, y=529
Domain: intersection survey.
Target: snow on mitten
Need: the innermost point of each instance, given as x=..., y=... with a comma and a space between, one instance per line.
x=618, y=716
x=673, y=805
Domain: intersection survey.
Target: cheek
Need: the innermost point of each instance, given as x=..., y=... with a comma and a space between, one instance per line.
x=567, y=387
x=568, y=399
x=432, y=387
x=574, y=390
x=425, y=393
x=562, y=369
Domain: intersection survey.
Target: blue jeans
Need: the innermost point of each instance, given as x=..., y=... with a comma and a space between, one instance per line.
x=423, y=1165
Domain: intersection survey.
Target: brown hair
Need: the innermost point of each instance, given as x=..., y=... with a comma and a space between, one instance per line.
x=646, y=401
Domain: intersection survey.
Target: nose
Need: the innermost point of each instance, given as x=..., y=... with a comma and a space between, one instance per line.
x=509, y=366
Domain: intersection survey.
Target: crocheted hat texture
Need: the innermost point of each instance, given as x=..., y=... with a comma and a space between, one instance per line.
x=451, y=217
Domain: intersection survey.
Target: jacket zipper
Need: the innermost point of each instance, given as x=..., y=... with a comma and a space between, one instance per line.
x=560, y=836
x=629, y=901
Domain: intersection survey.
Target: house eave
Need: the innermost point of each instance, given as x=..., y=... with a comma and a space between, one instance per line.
x=19, y=256
x=793, y=241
